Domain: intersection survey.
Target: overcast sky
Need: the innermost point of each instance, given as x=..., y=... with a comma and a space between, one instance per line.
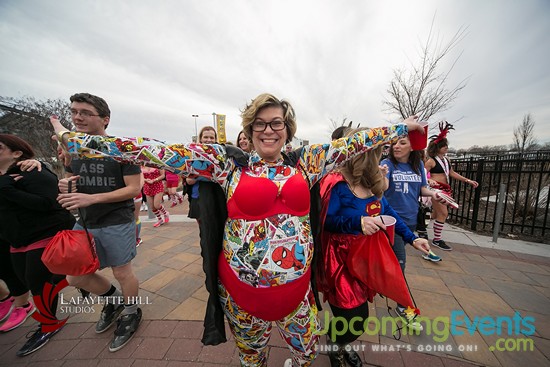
x=159, y=62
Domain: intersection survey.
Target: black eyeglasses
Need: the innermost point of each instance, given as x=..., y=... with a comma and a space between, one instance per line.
x=83, y=113
x=275, y=125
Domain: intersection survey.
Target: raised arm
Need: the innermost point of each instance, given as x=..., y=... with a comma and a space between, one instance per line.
x=320, y=159
x=205, y=160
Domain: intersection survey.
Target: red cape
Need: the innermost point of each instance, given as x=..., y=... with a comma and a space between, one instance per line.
x=353, y=268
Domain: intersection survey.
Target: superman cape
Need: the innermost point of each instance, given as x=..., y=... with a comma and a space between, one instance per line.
x=353, y=268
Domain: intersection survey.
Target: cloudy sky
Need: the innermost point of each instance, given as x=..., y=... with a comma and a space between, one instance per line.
x=159, y=62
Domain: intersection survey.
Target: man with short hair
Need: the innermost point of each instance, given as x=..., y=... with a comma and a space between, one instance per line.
x=104, y=193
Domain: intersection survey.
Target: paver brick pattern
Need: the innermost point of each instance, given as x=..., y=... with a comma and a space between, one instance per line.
x=477, y=281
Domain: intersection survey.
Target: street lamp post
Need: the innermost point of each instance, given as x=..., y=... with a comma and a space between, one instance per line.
x=214, y=119
x=196, y=132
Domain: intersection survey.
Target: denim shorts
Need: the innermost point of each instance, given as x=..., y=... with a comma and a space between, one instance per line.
x=115, y=245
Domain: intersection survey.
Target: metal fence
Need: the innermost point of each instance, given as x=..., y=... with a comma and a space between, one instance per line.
x=527, y=182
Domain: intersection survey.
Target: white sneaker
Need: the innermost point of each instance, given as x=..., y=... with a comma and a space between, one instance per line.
x=288, y=363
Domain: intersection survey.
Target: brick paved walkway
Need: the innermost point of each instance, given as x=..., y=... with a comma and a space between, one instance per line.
x=474, y=280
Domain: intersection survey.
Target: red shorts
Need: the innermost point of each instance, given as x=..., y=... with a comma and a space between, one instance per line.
x=172, y=180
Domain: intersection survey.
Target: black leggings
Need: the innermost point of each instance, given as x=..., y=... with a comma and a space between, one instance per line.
x=7, y=272
x=421, y=219
x=31, y=271
x=348, y=314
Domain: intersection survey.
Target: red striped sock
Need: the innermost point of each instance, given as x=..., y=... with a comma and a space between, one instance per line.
x=438, y=228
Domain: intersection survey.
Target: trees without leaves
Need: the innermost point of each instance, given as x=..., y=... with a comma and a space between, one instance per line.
x=28, y=118
x=423, y=90
x=524, y=135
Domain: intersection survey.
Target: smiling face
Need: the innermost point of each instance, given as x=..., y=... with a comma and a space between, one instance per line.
x=243, y=142
x=268, y=143
x=85, y=119
x=208, y=137
x=402, y=150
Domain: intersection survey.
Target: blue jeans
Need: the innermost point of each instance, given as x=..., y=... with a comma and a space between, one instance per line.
x=399, y=249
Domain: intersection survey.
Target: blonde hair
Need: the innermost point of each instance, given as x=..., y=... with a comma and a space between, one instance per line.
x=268, y=100
x=364, y=169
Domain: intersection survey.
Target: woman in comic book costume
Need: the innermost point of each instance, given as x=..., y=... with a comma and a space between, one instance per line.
x=352, y=203
x=267, y=246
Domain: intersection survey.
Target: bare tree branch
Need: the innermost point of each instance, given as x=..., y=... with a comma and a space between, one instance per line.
x=423, y=90
x=28, y=118
x=524, y=135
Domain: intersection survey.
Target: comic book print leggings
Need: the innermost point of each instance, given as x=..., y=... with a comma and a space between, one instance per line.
x=300, y=330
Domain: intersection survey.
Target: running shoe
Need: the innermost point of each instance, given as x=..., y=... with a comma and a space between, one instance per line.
x=17, y=317
x=6, y=307
x=431, y=257
x=442, y=245
x=126, y=328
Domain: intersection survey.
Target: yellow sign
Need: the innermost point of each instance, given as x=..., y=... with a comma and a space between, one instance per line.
x=220, y=122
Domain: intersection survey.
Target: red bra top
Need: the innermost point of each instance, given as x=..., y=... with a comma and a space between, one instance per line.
x=258, y=198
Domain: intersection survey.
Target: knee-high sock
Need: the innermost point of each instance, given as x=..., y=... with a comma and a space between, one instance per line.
x=438, y=228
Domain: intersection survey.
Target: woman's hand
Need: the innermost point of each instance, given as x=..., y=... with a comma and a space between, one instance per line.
x=412, y=124
x=63, y=184
x=472, y=182
x=371, y=225
x=384, y=170
x=29, y=165
x=437, y=198
x=421, y=244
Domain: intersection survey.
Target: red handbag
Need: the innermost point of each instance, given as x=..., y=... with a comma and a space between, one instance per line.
x=71, y=252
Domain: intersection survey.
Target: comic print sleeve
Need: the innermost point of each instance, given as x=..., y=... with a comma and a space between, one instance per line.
x=208, y=161
x=320, y=159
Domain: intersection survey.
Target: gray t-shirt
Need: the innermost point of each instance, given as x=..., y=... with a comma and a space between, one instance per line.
x=100, y=176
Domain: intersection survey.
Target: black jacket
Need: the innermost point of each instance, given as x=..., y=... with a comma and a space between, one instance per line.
x=29, y=210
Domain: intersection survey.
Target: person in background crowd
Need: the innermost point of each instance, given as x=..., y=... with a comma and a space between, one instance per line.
x=172, y=183
x=30, y=217
x=243, y=142
x=424, y=203
x=407, y=183
x=266, y=247
x=104, y=194
x=15, y=307
x=154, y=190
x=441, y=171
x=207, y=135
